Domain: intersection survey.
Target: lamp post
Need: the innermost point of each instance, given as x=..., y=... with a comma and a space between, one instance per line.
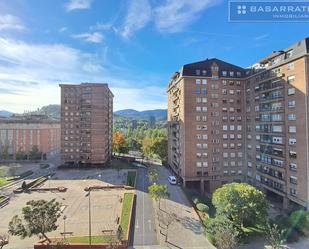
x=89, y=202
x=64, y=218
x=49, y=181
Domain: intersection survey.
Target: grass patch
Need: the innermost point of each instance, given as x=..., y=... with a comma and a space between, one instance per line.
x=131, y=178
x=125, y=214
x=7, y=180
x=94, y=239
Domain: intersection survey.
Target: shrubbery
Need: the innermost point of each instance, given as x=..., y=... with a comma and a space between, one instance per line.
x=202, y=207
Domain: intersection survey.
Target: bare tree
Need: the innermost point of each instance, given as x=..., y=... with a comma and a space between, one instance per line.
x=166, y=219
x=4, y=240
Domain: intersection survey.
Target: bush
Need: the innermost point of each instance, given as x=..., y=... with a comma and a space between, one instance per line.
x=300, y=220
x=202, y=207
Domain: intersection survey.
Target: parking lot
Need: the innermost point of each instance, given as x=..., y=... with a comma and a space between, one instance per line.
x=105, y=204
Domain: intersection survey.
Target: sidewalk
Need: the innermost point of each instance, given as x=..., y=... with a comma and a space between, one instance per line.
x=185, y=229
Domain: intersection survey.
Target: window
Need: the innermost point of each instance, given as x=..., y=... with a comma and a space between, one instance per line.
x=232, y=136
x=293, y=179
x=291, y=91
x=232, y=127
x=292, y=141
x=224, y=73
x=204, y=72
x=198, y=118
x=289, y=54
x=224, y=136
x=204, y=82
x=205, y=164
x=291, y=103
x=198, y=108
x=224, y=82
x=197, y=72
x=293, y=166
x=225, y=127
x=238, y=74
x=204, y=100
x=277, y=128
x=291, y=66
x=293, y=191
x=277, y=140
x=198, y=164
x=291, y=79
x=239, y=136
x=204, y=118
x=292, y=129
x=198, y=81
x=204, y=109
x=225, y=155
x=231, y=91
x=293, y=154
x=239, y=127
x=291, y=117
x=224, y=91
x=232, y=74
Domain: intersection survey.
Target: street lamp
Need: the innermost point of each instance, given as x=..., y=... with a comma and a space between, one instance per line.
x=64, y=218
x=89, y=202
x=49, y=181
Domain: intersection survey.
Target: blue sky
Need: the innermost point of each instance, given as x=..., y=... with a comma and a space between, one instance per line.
x=134, y=45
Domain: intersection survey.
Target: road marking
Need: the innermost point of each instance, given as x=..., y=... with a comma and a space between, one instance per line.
x=136, y=226
x=149, y=224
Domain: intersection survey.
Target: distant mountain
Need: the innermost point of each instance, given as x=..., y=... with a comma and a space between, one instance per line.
x=49, y=110
x=5, y=114
x=159, y=114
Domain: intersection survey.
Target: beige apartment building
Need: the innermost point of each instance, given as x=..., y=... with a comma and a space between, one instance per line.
x=21, y=134
x=229, y=124
x=86, y=124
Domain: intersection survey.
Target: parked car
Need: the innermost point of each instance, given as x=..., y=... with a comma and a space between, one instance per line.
x=172, y=180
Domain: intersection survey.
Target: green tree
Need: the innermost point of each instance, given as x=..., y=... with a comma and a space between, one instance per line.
x=160, y=148
x=274, y=236
x=300, y=220
x=35, y=154
x=222, y=232
x=148, y=146
x=241, y=203
x=38, y=218
x=5, y=153
x=158, y=192
x=20, y=155
x=153, y=176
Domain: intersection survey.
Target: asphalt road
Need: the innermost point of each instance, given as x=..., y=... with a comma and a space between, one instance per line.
x=144, y=227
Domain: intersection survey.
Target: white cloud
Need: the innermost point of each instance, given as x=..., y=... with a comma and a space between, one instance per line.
x=101, y=26
x=78, y=4
x=176, y=15
x=62, y=29
x=9, y=22
x=30, y=74
x=139, y=14
x=95, y=37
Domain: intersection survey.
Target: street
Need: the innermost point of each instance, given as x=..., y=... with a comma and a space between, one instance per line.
x=144, y=227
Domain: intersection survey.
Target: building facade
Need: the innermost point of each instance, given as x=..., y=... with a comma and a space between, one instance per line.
x=86, y=124
x=21, y=135
x=229, y=124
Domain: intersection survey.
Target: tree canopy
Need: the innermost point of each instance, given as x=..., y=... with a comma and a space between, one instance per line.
x=241, y=203
x=38, y=218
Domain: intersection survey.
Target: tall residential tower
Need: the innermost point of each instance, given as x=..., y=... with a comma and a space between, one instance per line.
x=229, y=124
x=86, y=124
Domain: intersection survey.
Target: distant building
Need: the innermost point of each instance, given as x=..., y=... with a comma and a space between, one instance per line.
x=152, y=122
x=86, y=123
x=134, y=124
x=229, y=124
x=22, y=133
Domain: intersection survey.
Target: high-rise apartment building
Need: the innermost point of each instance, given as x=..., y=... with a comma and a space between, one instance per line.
x=230, y=124
x=86, y=124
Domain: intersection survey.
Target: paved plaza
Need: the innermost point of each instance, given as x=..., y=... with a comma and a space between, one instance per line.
x=106, y=205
